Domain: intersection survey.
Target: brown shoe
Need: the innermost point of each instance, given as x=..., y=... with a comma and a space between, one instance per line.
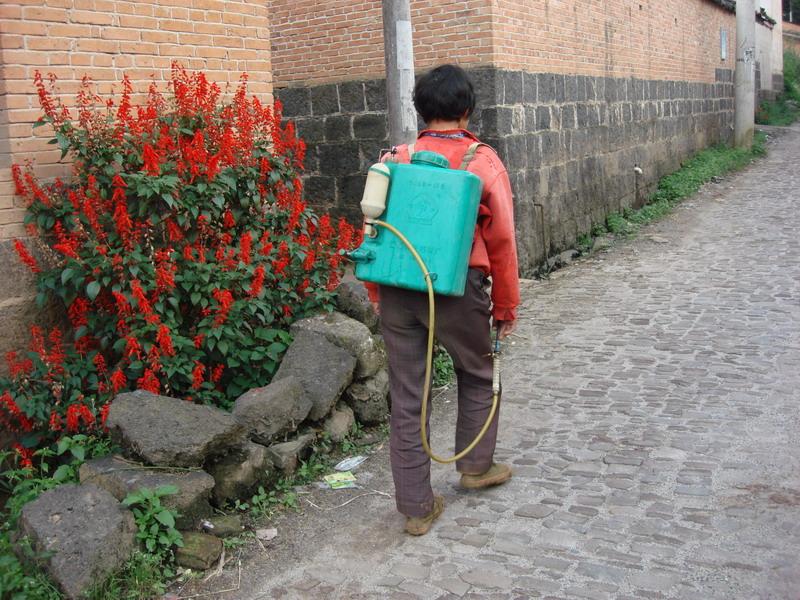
x=496, y=475
x=422, y=525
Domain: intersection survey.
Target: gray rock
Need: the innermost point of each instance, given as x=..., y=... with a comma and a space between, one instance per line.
x=286, y=456
x=171, y=432
x=271, y=411
x=323, y=368
x=237, y=474
x=120, y=477
x=199, y=551
x=340, y=422
x=349, y=334
x=87, y=533
x=369, y=398
x=223, y=526
x=353, y=300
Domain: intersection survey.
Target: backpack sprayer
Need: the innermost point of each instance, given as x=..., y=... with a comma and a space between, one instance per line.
x=437, y=208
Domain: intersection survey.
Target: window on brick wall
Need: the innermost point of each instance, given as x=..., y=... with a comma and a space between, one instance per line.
x=791, y=11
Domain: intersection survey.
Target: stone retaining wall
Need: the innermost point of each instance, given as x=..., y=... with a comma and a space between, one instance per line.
x=570, y=142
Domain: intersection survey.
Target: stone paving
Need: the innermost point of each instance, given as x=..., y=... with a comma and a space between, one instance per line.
x=652, y=416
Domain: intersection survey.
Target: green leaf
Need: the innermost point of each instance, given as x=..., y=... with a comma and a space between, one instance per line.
x=92, y=290
x=78, y=452
x=165, y=518
x=150, y=544
x=63, y=445
x=223, y=346
x=66, y=275
x=62, y=473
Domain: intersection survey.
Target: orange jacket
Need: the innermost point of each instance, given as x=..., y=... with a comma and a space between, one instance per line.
x=494, y=249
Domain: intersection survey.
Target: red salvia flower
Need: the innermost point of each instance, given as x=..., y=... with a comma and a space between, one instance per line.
x=225, y=300
x=118, y=381
x=104, y=413
x=227, y=220
x=149, y=382
x=73, y=418
x=11, y=415
x=258, y=282
x=37, y=341
x=55, y=421
x=197, y=375
x=77, y=312
x=132, y=348
x=100, y=365
x=216, y=373
x=56, y=355
x=245, y=247
x=151, y=161
x=198, y=340
x=25, y=456
x=141, y=299
x=165, y=341
x=26, y=257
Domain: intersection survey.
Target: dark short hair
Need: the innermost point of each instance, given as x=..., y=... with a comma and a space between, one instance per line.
x=444, y=93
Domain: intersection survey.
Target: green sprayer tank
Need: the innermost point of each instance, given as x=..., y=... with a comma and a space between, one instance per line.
x=436, y=208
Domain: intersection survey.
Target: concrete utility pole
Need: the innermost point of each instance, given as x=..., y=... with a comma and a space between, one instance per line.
x=745, y=108
x=399, y=56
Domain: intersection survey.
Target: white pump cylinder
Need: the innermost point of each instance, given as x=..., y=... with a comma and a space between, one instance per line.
x=376, y=190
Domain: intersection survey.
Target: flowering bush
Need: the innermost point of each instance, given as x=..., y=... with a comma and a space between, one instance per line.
x=181, y=250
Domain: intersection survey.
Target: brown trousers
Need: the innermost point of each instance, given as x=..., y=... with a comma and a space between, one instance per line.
x=462, y=326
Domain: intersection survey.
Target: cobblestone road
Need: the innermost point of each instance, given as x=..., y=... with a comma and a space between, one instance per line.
x=652, y=416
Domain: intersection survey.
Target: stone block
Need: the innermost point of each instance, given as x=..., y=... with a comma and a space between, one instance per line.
x=319, y=189
x=375, y=94
x=171, y=432
x=324, y=100
x=84, y=531
x=324, y=369
x=542, y=117
x=310, y=129
x=296, y=101
x=347, y=333
x=236, y=475
x=369, y=398
x=224, y=526
x=546, y=87
x=513, y=87
x=370, y=126
x=487, y=86
x=337, y=128
x=352, y=300
x=200, y=550
x=339, y=158
x=272, y=411
x=339, y=423
x=351, y=97
x=571, y=88
x=529, y=88
x=497, y=121
x=121, y=477
x=350, y=189
x=286, y=456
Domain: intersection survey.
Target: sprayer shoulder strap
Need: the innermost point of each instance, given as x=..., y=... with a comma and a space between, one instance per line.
x=469, y=155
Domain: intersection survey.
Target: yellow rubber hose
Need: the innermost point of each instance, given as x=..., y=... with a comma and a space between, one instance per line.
x=429, y=361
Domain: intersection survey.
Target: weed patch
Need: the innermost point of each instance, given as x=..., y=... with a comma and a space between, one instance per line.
x=673, y=188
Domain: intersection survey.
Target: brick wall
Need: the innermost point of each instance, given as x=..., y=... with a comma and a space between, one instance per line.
x=337, y=40
x=319, y=42
x=646, y=39
x=103, y=39
x=791, y=37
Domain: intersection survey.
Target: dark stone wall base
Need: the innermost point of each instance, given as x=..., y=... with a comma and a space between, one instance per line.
x=570, y=143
